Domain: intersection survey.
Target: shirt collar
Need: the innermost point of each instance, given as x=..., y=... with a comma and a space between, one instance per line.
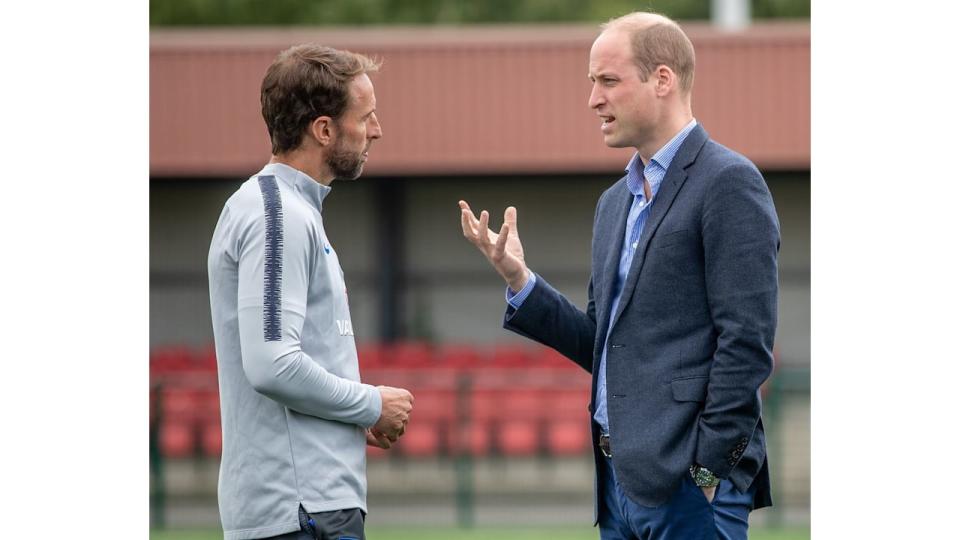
x=661, y=159
x=308, y=187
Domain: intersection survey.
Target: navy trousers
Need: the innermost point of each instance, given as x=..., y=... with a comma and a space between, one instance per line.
x=686, y=516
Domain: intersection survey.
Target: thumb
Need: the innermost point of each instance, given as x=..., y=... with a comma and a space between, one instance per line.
x=510, y=217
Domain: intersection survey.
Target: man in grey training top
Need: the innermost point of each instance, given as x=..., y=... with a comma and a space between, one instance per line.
x=295, y=416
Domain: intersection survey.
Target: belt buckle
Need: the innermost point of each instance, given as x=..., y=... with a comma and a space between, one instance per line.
x=604, y=445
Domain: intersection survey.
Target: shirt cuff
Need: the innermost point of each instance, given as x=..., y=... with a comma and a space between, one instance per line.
x=515, y=299
x=374, y=407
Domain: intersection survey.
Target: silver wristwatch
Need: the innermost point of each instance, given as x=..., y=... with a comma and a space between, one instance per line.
x=702, y=476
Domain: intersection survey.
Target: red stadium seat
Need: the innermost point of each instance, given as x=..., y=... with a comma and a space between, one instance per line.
x=434, y=405
x=207, y=359
x=176, y=439
x=518, y=437
x=208, y=404
x=458, y=356
x=178, y=403
x=568, y=403
x=211, y=439
x=166, y=360
x=551, y=358
x=470, y=438
x=512, y=356
x=568, y=437
x=420, y=439
x=479, y=438
x=522, y=403
x=371, y=356
x=484, y=405
x=568, y=423
x=409, y=354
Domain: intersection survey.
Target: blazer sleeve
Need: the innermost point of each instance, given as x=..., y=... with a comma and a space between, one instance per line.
x=547, y=317
x=741, y=238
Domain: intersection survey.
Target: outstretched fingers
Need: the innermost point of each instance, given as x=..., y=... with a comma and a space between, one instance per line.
x=510, y=218
x=468, y=222
x=500, y=247
x=478, y=232
x=465, y=218
x=482, y=235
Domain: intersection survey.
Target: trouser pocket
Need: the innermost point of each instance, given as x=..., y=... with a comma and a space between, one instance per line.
x=344, y=524
x=688, y=480
x=307, y=524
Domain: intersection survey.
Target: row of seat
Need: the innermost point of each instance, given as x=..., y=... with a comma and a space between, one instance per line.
x=400, y=355
x=507, y=414
x=479, y=438
x=196, y=403
x=178, y=439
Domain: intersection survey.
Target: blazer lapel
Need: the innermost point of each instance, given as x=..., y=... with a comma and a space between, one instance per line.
x=672, y=182
x=611, y=228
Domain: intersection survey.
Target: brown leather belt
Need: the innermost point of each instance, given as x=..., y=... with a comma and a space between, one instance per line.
x=604, y=445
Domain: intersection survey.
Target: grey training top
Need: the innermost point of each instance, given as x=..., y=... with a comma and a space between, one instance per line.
x=292, y=407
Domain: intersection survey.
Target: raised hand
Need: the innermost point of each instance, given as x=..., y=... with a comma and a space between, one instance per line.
x=503, y=250
x=394, y=413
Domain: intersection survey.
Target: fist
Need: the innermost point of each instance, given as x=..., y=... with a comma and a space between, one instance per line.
x=397, y=404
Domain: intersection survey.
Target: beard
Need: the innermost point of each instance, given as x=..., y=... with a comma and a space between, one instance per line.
x=345, y=164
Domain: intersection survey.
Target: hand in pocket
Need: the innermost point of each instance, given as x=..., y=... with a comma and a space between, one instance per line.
x=709, y=493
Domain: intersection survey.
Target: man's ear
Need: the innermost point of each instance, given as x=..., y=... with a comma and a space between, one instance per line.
x=322, y=130
x=666, y=80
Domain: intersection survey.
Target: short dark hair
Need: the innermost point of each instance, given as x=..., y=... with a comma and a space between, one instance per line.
x=303, y=83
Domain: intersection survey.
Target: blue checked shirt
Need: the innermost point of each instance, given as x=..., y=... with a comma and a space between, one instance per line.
x=654, y=171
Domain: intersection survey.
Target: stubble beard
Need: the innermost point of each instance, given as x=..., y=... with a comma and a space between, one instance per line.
x=344, y=164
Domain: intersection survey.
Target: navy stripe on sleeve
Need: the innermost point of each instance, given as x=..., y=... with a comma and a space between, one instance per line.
x=272, y=256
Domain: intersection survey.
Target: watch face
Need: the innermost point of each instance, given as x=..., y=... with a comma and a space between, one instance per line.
x=703, y=477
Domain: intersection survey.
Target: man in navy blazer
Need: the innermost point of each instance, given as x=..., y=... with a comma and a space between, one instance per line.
x=679, y=327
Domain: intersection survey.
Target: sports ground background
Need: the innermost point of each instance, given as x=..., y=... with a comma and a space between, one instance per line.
x=425, y=308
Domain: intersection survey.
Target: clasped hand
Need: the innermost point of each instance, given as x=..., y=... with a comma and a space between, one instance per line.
x=396, y=405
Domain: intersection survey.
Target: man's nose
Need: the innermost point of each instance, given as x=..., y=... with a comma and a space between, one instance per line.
x=376, y=131
x=596, y=99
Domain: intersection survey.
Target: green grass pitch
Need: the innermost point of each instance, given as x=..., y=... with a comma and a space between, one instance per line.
x=481, y=533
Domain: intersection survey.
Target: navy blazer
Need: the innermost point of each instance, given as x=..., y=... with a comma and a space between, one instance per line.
x=692, y=338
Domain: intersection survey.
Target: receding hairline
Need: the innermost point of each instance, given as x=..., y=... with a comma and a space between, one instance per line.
x=678, y=55
x=637, y=21
x=633, y=23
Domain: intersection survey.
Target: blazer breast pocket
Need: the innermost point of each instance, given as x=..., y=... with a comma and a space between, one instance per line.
x=662, y=240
